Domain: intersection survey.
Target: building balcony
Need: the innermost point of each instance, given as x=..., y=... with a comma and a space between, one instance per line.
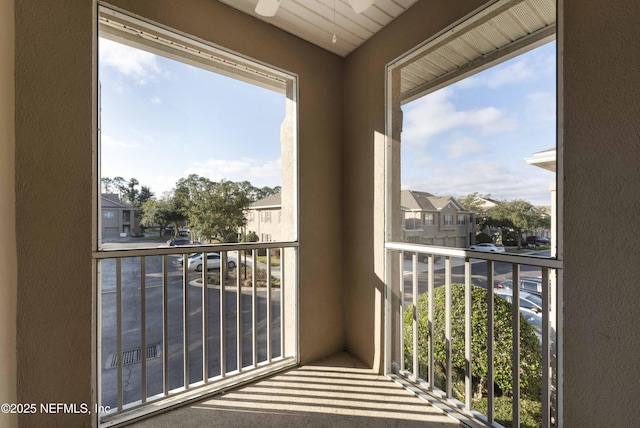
x=238, y=354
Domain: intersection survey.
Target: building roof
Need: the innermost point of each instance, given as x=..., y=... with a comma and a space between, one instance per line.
x=414, y=200
x=112, y=200
x=273, y=201
x=545, y=159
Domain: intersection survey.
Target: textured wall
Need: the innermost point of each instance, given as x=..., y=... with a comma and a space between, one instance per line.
x=54, y=93
x=601, y=107
x=363, y=190
x=8, y=257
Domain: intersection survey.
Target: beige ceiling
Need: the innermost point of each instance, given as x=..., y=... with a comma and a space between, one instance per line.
x=502, y=30
x=313, y=20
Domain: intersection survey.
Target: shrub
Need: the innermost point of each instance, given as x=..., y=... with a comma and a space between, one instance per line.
x=261, y=278
x=510, y=238
x=530, y=355
x=483, y=238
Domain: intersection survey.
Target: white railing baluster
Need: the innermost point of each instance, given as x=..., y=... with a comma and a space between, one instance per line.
x=165, y=325
x=468, y=387
x=490, y=343
x=430, y=287
x=223, y=324
x=549, y=335
x=401, y=308
x=185, y=322
x=254, y=305
x=515, y=370
x=282, y=312
x=205, y=317
x=414, y=298
x=447, y=325
x=546, y=360
x=269, y=326
x=119, y=328
x=143, y=327
x=238, y=319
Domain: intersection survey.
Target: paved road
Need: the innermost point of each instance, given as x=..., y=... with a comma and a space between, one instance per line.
x=131, y=327
x=502, y=271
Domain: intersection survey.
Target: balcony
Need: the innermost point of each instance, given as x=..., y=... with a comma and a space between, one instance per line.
x=159, y=345
x=153, y=326
x=453, y=341
x=336, y=392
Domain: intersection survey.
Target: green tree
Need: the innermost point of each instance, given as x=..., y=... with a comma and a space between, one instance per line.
x=163, y=212
x=143, y=196
x=473, y=201
x=256, y=193
x=518, y=215
x=107, y=185
x=214, y=209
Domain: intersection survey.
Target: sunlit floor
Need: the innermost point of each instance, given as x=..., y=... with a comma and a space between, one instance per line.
x=336, y=392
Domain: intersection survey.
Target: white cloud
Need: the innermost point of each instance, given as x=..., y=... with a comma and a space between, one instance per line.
x=503, y=180
x=257, y=171
x=434, y=114
x=465, y=146
x=512, y=73
x=140, y=65
x=541, y=107
x=528, y=68
x=107, y=141
x=156, y=100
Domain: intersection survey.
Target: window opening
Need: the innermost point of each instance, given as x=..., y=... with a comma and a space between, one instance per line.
x=191, y=139
x=471, y=142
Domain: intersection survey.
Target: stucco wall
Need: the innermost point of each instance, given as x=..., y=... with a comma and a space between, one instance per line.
x=363, y=189
x=8, y=257
x=601, y=113
x=54, y=131
x=54, y=104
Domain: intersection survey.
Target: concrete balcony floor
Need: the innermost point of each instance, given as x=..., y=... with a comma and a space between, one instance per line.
x=337, y=392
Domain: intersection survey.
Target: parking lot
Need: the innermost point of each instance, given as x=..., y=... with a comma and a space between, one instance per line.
x=145, y=307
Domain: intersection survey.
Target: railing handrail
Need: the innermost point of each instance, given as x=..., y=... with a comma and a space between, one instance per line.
x=529, y=260
x=107, y=253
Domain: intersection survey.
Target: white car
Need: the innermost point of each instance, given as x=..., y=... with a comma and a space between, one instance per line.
x=535, y=319
x=528, y=301
x=489, y=248
x=213, y=262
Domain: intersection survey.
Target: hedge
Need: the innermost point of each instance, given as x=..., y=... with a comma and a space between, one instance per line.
x=530, y=355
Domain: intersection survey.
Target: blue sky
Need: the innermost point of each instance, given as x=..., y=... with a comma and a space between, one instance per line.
x=163, y=120
x=474, y=135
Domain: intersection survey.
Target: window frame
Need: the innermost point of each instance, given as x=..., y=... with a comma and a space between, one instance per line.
x=122, y=27
x=252, y=72
x=391, y=178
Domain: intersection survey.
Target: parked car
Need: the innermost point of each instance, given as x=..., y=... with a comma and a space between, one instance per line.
x=189, y=257
x=537, y=241
x=178, y=241
x=489, y=248
x=535, y=319
x=529, y=301
x=213, y=262
x=527, y=283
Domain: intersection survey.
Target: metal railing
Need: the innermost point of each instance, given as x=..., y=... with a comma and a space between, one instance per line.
x=442, y=307
x=178, y=323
